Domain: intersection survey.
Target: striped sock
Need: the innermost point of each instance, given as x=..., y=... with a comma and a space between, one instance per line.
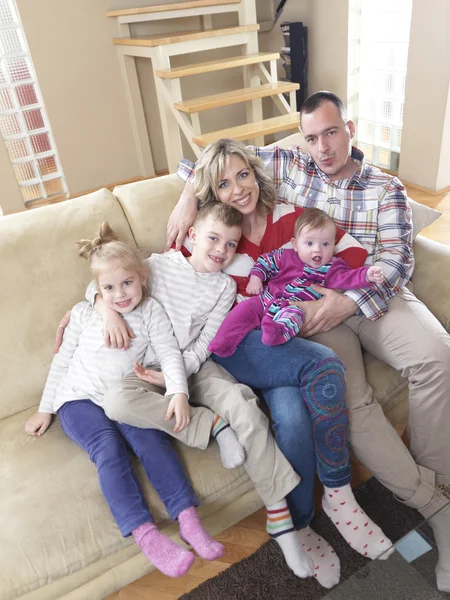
x=232, y=452
x=281, y=529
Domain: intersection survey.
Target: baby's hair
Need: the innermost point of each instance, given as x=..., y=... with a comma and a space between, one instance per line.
x=106, y=247
x=227, y=215
x=312, y=218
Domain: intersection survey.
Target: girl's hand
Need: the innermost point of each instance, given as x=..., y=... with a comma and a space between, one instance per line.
x=60, y=331
x=254, y=286
x=374, y=275
x=115, y=329
x=149, y=375
x=38, y=423
x=180, y=406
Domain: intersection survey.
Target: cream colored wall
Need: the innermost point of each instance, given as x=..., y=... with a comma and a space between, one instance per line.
x=77, y=68
x=426, y=96
x=443, y=177
x=327, y=23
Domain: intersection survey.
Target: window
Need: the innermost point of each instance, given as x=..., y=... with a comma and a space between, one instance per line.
x=24, y=125
x=378, y=55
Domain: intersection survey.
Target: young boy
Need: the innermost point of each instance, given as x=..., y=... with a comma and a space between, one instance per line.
x=197, y=296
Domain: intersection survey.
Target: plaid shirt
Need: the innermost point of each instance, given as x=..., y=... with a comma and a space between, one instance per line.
x=372, y=206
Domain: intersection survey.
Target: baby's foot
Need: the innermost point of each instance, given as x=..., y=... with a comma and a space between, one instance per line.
x=352, y=522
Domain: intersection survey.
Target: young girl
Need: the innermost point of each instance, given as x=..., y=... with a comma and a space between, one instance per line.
x=290, y=274
x=79, y=376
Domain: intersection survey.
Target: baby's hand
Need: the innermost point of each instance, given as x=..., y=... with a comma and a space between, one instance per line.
x=180, y=406
x=38, y=423
x=374, y=275
x=149, y=375
x=254, y=286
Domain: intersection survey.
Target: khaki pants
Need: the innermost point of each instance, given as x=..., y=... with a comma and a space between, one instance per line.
x=141, y=404
x=410, y=339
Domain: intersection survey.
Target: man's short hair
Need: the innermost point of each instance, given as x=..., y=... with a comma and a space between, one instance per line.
x=316, y=100
x=227, y=215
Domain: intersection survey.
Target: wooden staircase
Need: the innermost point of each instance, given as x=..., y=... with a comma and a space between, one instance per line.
x=181, y=115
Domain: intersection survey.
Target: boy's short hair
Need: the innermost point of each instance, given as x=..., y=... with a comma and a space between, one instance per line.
x=227, y=215
x=312, y=218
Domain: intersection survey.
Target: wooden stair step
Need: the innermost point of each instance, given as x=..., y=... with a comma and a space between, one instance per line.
x=217, y=65
x=251, y=130
x=183, y=36
x=125, y=12
x=236, y=96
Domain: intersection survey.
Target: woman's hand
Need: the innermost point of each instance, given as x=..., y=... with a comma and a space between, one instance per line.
x=327, y=312
x=255, y=285
x=60, y=332
x=150, y=376
x=180, y=406
x=38, y=423
x=182, y=217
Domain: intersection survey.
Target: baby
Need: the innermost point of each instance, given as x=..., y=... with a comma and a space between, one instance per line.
x=290, y=274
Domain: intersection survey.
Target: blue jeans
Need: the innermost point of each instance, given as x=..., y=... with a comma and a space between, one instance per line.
x=303, y=384
x=107, y=444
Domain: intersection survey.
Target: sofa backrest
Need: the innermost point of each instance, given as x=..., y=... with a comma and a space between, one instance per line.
x=147, y=206
x=41, y=277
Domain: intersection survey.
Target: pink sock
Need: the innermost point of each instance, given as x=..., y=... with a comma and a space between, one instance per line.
x=192, y=532
x=167, y=556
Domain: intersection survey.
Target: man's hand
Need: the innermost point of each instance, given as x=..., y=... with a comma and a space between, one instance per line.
x=327, y=312
x=180, y=406
x=60, y=331
x=182, y=217
x=255, y=285
x=149, y=375
x=38, y=423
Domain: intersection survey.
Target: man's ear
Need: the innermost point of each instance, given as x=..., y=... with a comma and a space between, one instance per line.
x=192, y=234
x=352, y=129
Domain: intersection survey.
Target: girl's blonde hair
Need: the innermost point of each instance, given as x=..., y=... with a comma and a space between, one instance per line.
x=312, y=218
x=212, y=164
x=106, y=247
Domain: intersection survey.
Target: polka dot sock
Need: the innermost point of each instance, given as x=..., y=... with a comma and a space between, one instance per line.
x=327, y=568
x=232, y=453
x=167, y=556
x=281, y=529
x=192, y=532
x=352, y=522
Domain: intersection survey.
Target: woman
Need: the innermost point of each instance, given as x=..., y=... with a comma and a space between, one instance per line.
x=302, y=382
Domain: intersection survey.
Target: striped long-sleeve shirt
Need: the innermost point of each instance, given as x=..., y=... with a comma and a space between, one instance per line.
x=372, y=206
x=196, y=303
x=84, y=367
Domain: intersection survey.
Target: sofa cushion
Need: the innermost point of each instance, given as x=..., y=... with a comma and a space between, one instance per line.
x=45, y=278
x=53, y=518
x=147, y=206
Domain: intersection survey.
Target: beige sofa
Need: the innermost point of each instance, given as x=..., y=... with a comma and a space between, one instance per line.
x=57, y=538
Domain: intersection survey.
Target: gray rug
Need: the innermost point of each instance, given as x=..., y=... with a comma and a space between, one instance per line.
x=265, y=576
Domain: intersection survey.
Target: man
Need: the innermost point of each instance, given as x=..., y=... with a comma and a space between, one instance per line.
x=388, y=320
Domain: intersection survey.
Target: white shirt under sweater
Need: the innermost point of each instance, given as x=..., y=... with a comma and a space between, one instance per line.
x=84, y=367
x=196, y=303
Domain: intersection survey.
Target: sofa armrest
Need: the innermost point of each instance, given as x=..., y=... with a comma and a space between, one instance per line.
x=431, y=277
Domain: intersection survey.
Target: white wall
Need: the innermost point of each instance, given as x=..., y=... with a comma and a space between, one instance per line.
x=426, y=96
x=443, y=176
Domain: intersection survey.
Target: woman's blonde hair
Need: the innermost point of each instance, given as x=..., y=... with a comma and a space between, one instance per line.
x=106, y=247
x=212, y=164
